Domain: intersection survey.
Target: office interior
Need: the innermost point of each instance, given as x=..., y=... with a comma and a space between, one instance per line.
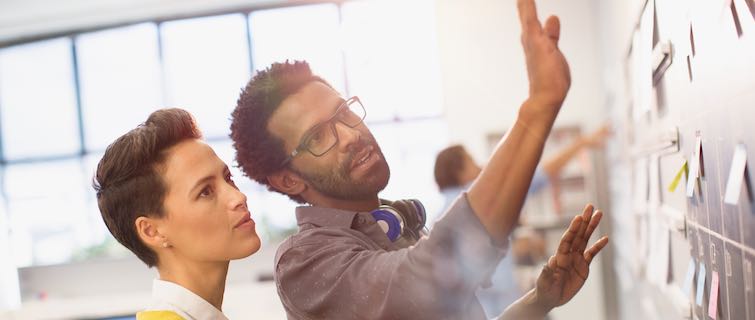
x=673, y=79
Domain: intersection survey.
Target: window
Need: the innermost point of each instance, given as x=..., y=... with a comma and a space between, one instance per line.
x=391, y=57
x=119, y=74
x=38, y=101
x=48, y=211
x=206, y=63
x=51, y=101
x=308, y=33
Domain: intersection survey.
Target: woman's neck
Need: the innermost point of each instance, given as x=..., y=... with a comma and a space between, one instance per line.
x=206, y=280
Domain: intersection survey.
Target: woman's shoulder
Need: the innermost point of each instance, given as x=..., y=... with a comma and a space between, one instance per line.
x=158, y=315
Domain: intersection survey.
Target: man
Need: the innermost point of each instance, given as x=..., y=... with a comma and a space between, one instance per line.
x=295, y=134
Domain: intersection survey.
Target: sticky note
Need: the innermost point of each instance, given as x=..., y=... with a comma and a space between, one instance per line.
x=678, y=177
x=690, y=276
x=664, y=242
x=748, y=275
x=699, y=157
x=736, y=175
x=713, y=301
x=692, y=177
x=700, y=285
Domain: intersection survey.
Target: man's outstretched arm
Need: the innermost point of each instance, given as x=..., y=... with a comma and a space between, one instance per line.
x=553, y=165
x=566, y=271
x=510, y=168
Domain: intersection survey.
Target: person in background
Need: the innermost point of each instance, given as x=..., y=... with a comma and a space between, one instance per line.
x=165, y=195
x=356, y=256
x=455, y=170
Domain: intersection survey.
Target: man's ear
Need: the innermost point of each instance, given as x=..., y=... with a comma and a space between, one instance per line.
x=287, y=181
x=148, y=231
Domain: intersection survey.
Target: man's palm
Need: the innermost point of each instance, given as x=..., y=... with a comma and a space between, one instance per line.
x=566, y=272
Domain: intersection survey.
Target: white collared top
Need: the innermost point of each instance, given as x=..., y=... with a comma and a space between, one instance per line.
x=168, y=296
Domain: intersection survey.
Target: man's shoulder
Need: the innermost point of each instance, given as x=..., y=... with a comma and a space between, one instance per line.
x=310, y=241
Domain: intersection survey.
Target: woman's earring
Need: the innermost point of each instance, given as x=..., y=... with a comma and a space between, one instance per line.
x=165, y=244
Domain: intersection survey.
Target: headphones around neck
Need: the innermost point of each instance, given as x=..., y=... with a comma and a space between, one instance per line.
x=401, y=218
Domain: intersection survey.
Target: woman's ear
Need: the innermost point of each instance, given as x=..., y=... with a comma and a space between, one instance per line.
x=148, y=231
x=287, y=181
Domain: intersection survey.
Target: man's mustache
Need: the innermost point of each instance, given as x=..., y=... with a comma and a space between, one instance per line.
x=359, y=146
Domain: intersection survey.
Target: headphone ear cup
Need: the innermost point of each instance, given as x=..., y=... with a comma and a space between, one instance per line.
x=390, y=221
x=421, y=214
x=413, y=213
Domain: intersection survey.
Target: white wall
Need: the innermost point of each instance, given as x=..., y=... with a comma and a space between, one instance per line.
x=484, y=75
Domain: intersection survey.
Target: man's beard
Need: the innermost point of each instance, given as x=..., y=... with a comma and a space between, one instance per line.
x=338, y=183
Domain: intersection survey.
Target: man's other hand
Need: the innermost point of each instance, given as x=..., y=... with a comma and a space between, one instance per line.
x=566, y=272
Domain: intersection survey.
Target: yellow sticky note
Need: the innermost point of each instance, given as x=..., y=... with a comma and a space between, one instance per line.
x=675, y=182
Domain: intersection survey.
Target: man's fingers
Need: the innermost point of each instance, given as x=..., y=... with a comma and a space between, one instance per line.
x=587, y=213
x=553, y=28
x=567, y=239
x=528, y=16
x=580, y=243
x=552, y=262
x=590, y=254
x=593, y=224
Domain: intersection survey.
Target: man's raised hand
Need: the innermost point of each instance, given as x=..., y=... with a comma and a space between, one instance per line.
x=547, y=68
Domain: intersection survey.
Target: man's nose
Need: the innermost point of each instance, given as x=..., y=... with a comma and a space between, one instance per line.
x=348, y=137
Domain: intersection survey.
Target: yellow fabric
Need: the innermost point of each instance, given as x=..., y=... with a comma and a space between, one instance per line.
x=158, y=315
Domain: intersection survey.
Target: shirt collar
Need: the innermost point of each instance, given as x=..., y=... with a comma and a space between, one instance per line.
x=325, y=217
x=184, y=300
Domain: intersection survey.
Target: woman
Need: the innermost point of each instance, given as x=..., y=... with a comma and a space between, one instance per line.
x=165, y=195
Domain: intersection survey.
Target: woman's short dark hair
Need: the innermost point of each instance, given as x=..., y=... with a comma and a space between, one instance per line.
x=258, y=152
x=129, y=181
x=448, y=165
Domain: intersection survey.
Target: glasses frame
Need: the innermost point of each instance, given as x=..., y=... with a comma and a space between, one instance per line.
x=331, y=122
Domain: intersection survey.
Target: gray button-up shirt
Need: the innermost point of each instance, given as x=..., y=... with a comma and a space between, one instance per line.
x=341, y=265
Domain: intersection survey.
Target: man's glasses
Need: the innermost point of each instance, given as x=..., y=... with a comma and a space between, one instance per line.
x=323, y=137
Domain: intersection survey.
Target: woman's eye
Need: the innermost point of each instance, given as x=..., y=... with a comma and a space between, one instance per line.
x=229, y=179
x=206, y=192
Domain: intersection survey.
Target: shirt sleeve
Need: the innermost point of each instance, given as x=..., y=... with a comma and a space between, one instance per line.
x=341, y=277
x=540, y=180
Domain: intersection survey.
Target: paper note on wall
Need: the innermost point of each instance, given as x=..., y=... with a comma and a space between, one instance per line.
x=692, y=177
x=641, y=183
x=678, y=177
x=748, y=276
x=695, y=169
x=736, y=175
x=654, y=182
x=687, y=287
x=700, y=285
x=660, y=255
x=713, y=301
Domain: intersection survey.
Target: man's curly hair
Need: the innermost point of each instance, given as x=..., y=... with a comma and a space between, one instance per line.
x=258, y=152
